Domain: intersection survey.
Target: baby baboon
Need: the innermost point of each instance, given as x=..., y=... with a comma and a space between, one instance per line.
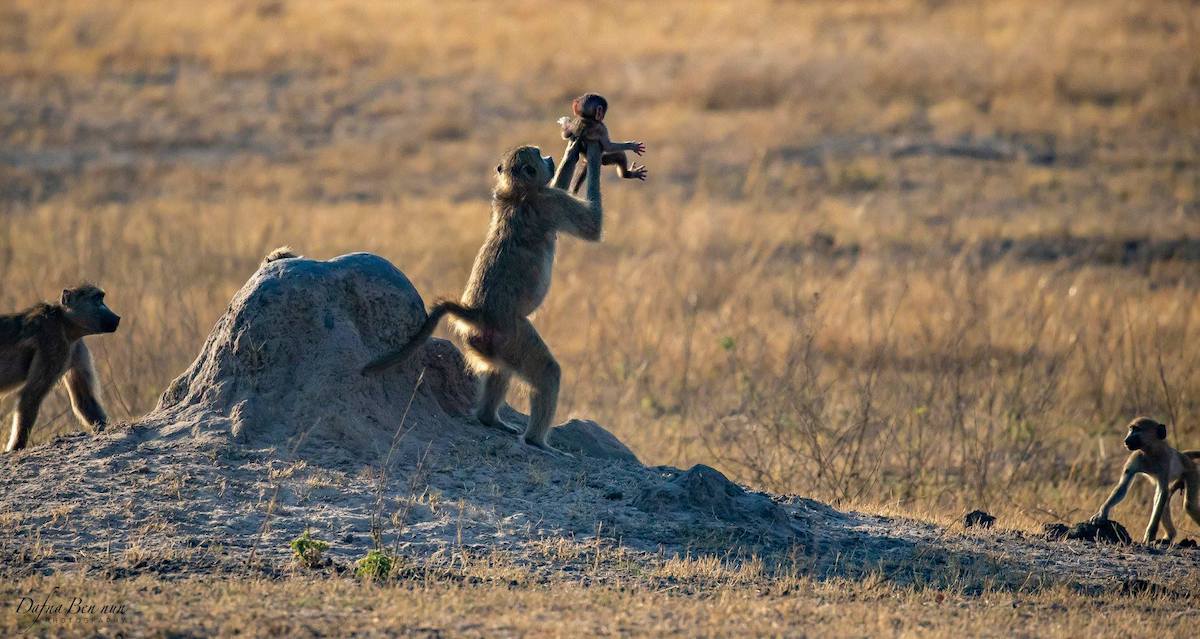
x=40, y=344
x=509, y=280
x=1166, y=467
x=588, y=125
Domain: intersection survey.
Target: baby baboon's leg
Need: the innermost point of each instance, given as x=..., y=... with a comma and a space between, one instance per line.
x=493, y=387
x=529, y=356
x=634, y=172
x=580, y=177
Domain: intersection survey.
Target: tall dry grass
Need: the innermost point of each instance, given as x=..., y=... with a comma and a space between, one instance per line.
x=923, y=254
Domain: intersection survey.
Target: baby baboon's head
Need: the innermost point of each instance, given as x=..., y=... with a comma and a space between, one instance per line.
x=521, y=171
x=590, y=106
x=85, y=308
x=1144, y=432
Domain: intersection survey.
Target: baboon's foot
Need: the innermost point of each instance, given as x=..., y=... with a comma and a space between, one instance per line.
x=547, y=448
x=492, y=421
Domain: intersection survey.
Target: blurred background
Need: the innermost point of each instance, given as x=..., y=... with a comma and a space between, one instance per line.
x=922, y=256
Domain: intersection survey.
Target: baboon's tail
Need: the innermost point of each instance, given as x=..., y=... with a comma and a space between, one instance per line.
x=436, y=312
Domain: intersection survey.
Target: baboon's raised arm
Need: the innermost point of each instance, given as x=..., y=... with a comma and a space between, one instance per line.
x=583, y=219
x=562, y=177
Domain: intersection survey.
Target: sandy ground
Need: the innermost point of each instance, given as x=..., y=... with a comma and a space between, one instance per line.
x=272, y=431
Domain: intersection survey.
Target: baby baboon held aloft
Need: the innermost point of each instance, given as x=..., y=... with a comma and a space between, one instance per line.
x=40, y=344
x=510, y=279
x=1166, y=467
x=587, y=125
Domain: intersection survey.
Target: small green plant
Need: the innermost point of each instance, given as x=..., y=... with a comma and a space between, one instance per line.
x=376, y=566
x=308, y=551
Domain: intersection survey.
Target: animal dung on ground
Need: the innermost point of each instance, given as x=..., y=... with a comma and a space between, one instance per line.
x=1055, y=532
x=1104, y=530
x=978, y=518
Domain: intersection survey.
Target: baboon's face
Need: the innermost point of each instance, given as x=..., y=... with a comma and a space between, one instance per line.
x=86, y=308
x=1142, y=432
x=523, y=168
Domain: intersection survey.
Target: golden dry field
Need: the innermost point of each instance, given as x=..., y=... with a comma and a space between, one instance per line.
x=907, y=257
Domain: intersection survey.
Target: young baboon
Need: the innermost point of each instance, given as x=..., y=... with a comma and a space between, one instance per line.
x=1168, y=468
x=40, y=344
x=587, y=125
x=509, y=280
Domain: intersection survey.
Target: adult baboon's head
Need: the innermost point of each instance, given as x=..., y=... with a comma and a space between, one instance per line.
x=85, y=307
x=521, y=171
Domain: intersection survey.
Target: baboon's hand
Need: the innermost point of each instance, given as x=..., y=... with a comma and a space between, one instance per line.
x=1097, y=518
x=638, y=147
x=638, y=171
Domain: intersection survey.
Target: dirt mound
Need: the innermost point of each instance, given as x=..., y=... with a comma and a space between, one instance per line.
x=704, y=492
x=281, y=366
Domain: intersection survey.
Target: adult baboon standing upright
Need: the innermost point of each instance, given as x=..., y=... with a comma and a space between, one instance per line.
x=510, y=279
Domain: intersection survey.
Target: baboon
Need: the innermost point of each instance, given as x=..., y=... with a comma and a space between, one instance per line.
x=509, y=280
x=40, y=344
x=587, y=125
x=1169, y=469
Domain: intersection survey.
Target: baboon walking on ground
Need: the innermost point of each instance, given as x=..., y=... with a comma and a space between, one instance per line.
x=1168, y=468
x=41, y=344
x=509, y=280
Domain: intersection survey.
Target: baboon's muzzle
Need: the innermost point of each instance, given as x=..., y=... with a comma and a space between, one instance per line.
x=1133, y=443
x=110, y=323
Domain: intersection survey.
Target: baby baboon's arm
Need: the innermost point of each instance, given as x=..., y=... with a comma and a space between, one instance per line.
x=581, y=219
x=607, y=145
x=84, y=388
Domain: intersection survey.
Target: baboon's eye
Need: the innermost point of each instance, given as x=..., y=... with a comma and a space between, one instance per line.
x=499, y=168
x=530, y=171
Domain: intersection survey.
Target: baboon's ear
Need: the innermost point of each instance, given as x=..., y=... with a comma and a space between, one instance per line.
x=1162, y=431
x=66, y=296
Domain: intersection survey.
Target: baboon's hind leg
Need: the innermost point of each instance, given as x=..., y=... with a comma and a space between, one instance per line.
x=1191, y=495
x=493, y=386
x=1167, y=524
x=529, y=356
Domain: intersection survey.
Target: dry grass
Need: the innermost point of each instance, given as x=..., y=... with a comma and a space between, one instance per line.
x=484, y=598
x=916, y=255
